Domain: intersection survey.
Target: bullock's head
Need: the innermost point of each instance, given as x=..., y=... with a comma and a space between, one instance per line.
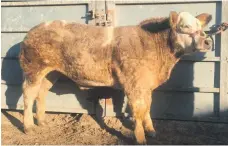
x=189, y=31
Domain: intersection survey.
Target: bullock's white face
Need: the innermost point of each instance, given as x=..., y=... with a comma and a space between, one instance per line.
x=189, y=31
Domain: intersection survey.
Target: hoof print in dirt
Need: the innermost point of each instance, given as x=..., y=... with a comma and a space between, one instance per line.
x=29, y=130
x=42, y=124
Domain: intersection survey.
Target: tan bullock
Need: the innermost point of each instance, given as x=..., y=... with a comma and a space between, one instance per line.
x=136, y=59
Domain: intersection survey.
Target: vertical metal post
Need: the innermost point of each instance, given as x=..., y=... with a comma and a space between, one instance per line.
x=91, y=10
x=224, y=64
x=99, y=12
x=110, y=12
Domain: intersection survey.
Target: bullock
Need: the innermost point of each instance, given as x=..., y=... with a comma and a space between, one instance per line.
x=136, y=59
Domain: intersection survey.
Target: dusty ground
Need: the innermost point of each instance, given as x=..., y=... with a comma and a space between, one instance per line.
x=83, y=129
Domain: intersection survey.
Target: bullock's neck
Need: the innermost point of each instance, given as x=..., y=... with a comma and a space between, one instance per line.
x=162, y=44
x=175, y=47
x=166, y=46
x=164, y=38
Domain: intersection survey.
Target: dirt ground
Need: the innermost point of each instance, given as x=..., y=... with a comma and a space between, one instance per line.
x=84, y=129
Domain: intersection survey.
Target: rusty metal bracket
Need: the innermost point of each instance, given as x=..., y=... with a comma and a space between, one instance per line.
x=102, y=19
x=91, y=14
x=103, y=16
x=218, y=29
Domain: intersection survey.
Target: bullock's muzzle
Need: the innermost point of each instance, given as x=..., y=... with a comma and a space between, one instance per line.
x=208, y=44
x=205, y=42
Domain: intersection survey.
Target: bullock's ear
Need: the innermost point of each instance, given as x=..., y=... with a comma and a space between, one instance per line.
x=173, y=16
x=204, y=19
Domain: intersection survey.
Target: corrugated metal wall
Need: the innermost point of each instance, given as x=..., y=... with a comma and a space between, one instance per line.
x=17, y=19
x=197, y=89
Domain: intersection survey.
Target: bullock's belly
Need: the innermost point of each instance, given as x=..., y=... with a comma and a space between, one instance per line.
x=91, y=84
x=91, y=74
x=91, y=78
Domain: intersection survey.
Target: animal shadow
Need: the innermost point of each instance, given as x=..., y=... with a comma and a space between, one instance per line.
x=17, y=123
x=98, y=97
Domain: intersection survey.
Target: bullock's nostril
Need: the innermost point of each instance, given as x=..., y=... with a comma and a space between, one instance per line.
x=206, y=42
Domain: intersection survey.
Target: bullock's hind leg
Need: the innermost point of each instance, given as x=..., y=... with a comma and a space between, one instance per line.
x=31, y=88
x=30, y=91
x=46, y=85
x=138, y=103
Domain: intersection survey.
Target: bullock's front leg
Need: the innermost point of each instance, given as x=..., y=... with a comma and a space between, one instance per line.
x=138, y=99
x=147, y=122
x=148, y=125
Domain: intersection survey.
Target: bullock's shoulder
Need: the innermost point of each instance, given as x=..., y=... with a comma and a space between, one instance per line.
x=127, y=30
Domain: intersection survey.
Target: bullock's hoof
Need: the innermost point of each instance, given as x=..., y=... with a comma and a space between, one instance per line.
x=42, y=123
x=141, y=142
x=29, y=130
x=151, y=133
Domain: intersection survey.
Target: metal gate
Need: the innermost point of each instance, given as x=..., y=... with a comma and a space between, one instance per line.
x=197, y=89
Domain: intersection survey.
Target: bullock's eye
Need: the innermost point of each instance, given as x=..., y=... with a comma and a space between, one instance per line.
x=187, y=26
